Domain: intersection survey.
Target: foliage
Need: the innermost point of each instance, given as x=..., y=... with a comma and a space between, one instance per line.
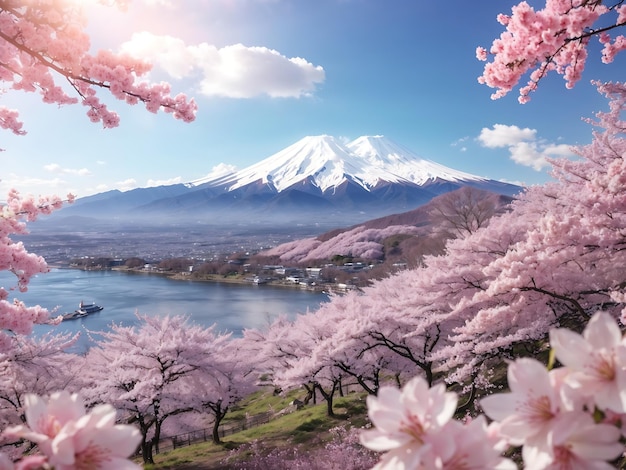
x=44, y=42
x=555, y=38
x=164, y=368
x=360, y=242
x=35, y=365
x=15, y=316
x=569, y=417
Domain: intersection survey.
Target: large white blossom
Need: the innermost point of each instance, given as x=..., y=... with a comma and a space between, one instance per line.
x=71, y=439
x=415, y=428
x=596, y=361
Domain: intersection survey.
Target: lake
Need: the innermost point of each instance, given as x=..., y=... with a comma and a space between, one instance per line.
x=232, y=307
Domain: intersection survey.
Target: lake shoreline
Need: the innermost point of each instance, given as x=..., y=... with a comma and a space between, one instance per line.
x=211, y=278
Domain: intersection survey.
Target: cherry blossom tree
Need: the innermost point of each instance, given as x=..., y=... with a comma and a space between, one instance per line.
x=230, y=377
x=566, y=417
x=44, y=48
x=294, y=341
x=145, y=372
x=35, y=365
x=15, y=316
x=565, y=256
x=554, y=38
x=359, y=242
x=462, y=212
x=373, y=337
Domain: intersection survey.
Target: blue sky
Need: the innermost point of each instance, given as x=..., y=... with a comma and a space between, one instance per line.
x=402, y=68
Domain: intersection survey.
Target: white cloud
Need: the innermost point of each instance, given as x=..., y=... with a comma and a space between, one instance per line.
x=127, y=184
x=235, y=71
x=560, y=150
x=58, y=169
x=28, y=185
x=527, y=154
x=505, y=136
x=221, y=169
x=167, y=182
x=523, y=145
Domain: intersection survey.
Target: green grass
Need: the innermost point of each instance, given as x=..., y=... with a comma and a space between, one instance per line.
x=308, y=427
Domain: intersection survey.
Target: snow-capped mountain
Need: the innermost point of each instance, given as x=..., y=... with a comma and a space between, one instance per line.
x=379, y=152
x=316, y=179
x=320, y=160
x=324, y=162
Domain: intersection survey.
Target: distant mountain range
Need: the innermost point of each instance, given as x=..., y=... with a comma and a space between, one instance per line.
x=316, y=180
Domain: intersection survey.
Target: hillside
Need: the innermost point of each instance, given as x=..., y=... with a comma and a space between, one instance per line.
x=404, y=236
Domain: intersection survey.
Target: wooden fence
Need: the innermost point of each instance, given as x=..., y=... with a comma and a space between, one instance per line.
x=206, y=434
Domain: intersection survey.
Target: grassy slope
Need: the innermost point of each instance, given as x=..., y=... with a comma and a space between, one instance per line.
x=308, y=426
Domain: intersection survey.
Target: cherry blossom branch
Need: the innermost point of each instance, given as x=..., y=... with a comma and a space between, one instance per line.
x=39, y=48
x=536, y=39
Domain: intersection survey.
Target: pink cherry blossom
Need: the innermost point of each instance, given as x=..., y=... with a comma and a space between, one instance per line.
x=43, y=44
x=14, y=315
x=407, y=422
x=473, y=446
x=533, y=409
x=71, y=439
x=579, y=444
x=554, y=38
x=597, y=360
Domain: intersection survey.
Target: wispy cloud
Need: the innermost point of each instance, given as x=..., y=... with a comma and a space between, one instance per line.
x=46, y=185
x=221, y=169
x=460, y=143
x=524, y=146
x=58, y=169
x=151, y=183
x=127, y=184
x=234, y=71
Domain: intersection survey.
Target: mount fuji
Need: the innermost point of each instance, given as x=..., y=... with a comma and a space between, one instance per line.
x=324, y=163
x=318, y=178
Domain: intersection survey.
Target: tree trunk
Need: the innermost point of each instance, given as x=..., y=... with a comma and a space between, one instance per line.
x=309, y=394
x=146, y=450
x=216, y=431
x=328, y=396
x=218, y=414
x=329, y=406
x=157, y=436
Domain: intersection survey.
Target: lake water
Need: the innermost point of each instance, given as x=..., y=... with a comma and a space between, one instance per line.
x=231, y=307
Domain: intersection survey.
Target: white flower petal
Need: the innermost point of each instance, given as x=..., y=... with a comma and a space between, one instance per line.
x=381, y=441
x=529, y=377
x=570, y=348
x=499, y=405
x=602, y=331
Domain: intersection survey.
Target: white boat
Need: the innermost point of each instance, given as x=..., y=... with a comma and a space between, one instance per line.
x=82, y=311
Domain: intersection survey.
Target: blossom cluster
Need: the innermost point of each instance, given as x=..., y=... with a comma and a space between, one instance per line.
x=554, y=38
x=15, y=316
x=563, y=418
x=43, y=41
x=68, y=438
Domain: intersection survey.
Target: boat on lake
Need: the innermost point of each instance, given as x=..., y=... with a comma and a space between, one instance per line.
x=83, y=310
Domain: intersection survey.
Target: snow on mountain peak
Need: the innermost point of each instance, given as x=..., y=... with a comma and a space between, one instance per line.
x=325, y=162
x=380, y=151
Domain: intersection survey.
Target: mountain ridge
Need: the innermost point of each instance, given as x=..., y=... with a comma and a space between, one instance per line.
x=318, y=179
